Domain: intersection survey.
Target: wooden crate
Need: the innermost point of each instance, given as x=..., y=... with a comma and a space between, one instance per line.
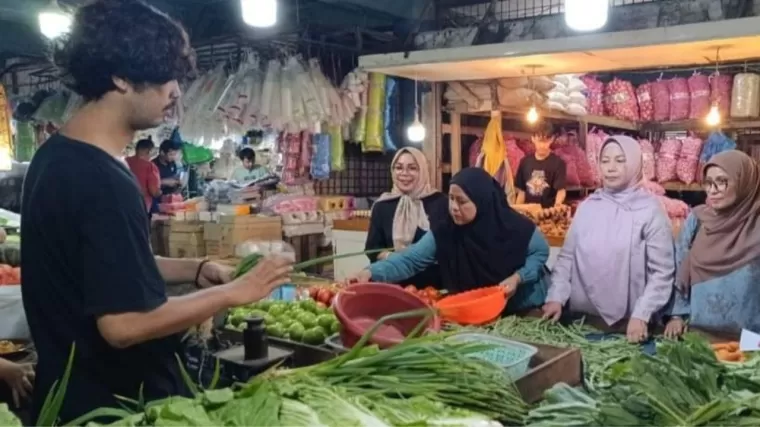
x=551, y=365
x=186, y=239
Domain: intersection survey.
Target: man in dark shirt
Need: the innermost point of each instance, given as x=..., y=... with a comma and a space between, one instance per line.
x=166, y=162
x=541, y=177
x=90, y=279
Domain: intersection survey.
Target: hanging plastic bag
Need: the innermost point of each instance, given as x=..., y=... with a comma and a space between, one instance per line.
x=375, y=111
x=389, y=125
x=320, y=160
x=337, y=161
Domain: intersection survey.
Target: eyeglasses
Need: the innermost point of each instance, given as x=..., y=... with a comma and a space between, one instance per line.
x=719, y=184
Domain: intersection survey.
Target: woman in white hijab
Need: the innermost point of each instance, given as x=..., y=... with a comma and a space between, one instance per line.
x=403, y=215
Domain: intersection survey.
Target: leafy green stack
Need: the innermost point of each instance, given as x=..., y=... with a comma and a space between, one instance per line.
x=425, y=381
x=301, y=321
x=683, y=385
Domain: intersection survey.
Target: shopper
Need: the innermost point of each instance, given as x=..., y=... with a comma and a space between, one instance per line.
x=145, y=171
x=248, y=171
x=617, y=261
x=541, y=177
x=718, y=251
x=91, y=282
x=482, y=242
x=402, y=216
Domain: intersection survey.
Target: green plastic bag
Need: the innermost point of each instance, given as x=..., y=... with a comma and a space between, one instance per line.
x=194, y=154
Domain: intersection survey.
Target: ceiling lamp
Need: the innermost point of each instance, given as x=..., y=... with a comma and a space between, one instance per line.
x=586, y=15
x=54, y=22
x=713, y=116
x=532, y=116
x=259, y=13
x=416, y=131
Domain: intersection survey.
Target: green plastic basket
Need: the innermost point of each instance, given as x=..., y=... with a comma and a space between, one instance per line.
x=514, y=357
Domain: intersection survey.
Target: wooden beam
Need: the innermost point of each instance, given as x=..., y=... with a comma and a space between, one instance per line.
x=456, y=142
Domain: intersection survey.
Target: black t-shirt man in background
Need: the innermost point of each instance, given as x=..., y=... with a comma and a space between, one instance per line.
x=90, y=277
x=541, y=177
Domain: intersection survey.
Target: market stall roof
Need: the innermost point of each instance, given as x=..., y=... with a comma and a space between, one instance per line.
x=682, y=45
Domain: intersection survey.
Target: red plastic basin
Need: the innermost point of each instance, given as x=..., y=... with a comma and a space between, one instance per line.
x=359, y=306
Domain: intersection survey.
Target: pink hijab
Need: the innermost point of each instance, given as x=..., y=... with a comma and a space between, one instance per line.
x=410, y=211
x=605, y=257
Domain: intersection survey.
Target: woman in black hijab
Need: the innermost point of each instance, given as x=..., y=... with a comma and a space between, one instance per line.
x=482, y=242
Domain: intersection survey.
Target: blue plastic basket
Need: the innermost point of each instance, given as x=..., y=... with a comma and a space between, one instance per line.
x=514, y=357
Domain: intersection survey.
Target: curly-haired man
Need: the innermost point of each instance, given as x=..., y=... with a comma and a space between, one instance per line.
x=90, y=277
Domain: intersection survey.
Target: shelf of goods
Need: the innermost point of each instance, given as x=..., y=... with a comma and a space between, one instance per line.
x=553, y=75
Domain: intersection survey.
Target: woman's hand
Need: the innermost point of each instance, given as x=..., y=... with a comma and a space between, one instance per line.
x=363, y=276
x=637, y=330
x=552, y=311
x=675, y=327
x=19, y=378
x=510, y=284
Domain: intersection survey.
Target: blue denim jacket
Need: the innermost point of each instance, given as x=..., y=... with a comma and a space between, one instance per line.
x=728, y=303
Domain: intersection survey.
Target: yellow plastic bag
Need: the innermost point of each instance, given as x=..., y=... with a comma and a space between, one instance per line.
x=375, y=109
x=337, y=162
x=493, y=148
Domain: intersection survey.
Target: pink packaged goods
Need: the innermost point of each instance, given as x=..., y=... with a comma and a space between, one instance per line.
x=594, y=95
x=661, y=100
x=721, y=86
x=679, y=98
x=667, y=160
x=283, y=203
x=620, y=100
x=594, y=141
x=566, y=154
x=688, y=160
x=514, y=153
x=646, y=104
x=648, y=165
x=699, y=96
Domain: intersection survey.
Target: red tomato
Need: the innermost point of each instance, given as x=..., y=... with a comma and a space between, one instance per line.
x=411, y=289
x=324, y=296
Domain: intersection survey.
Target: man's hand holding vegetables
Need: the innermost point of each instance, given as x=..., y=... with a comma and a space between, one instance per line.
x=19, y=377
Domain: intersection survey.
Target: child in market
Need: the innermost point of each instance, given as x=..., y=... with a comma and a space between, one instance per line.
x=617, y=262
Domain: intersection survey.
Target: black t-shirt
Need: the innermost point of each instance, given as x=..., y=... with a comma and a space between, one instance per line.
x=86, y=253
x=541, y=179
x=380, y=234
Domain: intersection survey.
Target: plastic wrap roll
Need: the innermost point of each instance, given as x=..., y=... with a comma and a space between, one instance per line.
x=337, y=161
x=745, y=98
x=375, y=110
x=389, y=125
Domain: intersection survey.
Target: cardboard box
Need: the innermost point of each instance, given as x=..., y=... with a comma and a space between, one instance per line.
x=222, y=238
x=186, y=239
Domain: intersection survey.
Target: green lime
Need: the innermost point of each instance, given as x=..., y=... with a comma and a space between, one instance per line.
x=257, y=313
x=236, y=319
x=269, y=319
x=264, y=305
x=335, y=327
x=315, y=336
x=277, y=310
x=309, y=320
x=308, y=305
x=325, y=321
x=296, y=332
x=276, y=330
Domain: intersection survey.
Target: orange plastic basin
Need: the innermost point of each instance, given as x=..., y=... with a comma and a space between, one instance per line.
x=475, y=307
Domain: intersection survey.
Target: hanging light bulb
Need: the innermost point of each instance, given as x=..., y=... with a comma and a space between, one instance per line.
x=586, y=15
x=713, y=116
x=54, y=22
x=532, y=116
x=259, y=13
x=416, y=131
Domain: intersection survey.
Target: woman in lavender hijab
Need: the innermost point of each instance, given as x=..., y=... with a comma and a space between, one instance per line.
x=618, y=260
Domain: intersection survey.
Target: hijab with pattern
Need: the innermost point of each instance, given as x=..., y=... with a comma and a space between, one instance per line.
x=728, y=239
x=490, y=248
x=410, y=212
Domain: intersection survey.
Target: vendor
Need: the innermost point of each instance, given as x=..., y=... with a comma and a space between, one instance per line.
x=93, y=290
x=617, y=261
x=482, y=242
x=401, y=217
x=248, y=170
x=541, y=176
x=166, y=162
x=718, y=251
x=145, y=171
